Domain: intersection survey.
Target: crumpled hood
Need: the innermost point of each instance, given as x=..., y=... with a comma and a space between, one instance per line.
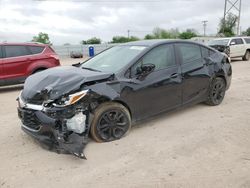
x=58, y=81
x=220, y=48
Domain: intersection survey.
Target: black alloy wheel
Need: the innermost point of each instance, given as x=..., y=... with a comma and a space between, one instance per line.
x=217, y=92
x=111, y=122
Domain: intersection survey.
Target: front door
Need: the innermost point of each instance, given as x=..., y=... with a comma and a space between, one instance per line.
x=161, y=89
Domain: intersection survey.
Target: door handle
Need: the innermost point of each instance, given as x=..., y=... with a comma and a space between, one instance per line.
x=174, y=75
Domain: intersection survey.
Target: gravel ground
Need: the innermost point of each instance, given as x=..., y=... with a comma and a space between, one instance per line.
x=200, y=146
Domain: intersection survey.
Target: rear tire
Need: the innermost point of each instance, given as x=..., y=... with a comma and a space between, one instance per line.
x=246, y=57
x=216, y=92
x=111, y=121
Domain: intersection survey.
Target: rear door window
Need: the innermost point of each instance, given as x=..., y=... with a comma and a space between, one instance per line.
x=36, y=49
x=15, y=51
x=190, y=53
x=239, y=41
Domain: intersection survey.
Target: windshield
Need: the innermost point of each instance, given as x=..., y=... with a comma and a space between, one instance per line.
x=223, y=42
x=114, y=58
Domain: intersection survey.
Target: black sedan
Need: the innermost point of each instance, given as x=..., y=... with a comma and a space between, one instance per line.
x=105, y=95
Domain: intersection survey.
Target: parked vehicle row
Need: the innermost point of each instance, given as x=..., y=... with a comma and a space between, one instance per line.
x=106, y=94
x=234, y=47
x=20, y=60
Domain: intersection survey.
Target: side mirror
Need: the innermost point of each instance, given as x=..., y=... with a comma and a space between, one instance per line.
x=232, y=43
x=144, y=70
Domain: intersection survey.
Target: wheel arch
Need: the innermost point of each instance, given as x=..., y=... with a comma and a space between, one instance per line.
x=124, y=104
x=104, y=99
x=38, y=69
x=221, y=76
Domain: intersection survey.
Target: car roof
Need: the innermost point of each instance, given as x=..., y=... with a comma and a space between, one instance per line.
x=228, y=38
x=23, y=43
x=155, y=42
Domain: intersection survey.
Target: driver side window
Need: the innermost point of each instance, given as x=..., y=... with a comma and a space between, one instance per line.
x=162, y=57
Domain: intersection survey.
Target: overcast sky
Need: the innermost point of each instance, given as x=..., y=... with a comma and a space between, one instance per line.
x=76, y=20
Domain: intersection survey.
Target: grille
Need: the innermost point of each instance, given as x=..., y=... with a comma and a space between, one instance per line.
x=29, y=118
x=35, y=101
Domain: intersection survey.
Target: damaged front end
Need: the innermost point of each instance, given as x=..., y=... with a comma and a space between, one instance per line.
x=222, y=48
x=56, y=107
x=63, y=128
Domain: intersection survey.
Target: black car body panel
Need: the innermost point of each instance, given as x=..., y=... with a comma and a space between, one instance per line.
x=162, y=90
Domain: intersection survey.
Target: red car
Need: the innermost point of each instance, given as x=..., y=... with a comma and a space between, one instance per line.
x=19, y=60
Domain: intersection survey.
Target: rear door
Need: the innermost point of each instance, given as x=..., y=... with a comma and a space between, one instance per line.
x=1, y=67
x=16, y=61
x=36, y=52
x=195, y=73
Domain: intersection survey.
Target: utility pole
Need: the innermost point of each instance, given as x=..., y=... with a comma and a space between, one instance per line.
x=233, y=5
x=128, y=34
x=204, y=26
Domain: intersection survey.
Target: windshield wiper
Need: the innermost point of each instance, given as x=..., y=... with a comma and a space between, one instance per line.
x=87, y=68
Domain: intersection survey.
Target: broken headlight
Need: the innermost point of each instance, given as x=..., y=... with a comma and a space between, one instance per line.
x=70, y=99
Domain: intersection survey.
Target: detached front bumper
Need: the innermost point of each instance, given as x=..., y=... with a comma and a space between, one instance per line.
x=54, y=133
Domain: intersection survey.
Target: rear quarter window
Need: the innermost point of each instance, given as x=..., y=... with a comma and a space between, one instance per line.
x=36, y=49
x=15, y=51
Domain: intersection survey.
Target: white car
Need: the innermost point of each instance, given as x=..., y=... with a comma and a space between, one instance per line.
x=233, y=47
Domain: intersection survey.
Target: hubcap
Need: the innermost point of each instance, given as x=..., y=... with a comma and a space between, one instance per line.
x=112, y=125
x=218, y=92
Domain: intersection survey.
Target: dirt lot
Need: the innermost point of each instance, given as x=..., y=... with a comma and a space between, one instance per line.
x=200, y=146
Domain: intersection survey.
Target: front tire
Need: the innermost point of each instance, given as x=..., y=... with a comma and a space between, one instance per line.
x=216, y=92
x=111, y=121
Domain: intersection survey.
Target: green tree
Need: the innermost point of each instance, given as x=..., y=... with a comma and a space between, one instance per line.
x=123, y=39
x=247, y=32
x=174, y=33
x=159, y=33
x=133, y=38
x=119, y=39
x=42, y=38
x=188, y=34
x=83, y=42
x=93, y=40
x=227, y=26
x=149, y=36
